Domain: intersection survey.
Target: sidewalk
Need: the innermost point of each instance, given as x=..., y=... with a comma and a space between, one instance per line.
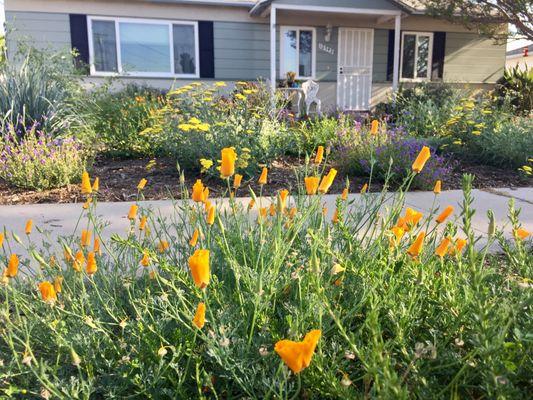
x=61, y=219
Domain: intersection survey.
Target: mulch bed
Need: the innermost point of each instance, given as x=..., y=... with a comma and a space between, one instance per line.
x=119, y=179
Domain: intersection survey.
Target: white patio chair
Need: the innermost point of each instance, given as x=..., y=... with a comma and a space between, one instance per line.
x=310, y=89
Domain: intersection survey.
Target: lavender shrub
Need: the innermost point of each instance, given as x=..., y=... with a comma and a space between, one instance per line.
x=34, y=160
x=401, y=151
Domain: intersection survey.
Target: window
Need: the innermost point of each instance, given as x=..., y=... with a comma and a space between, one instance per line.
x=298, y=51
x=140, y=47
x=417, y=48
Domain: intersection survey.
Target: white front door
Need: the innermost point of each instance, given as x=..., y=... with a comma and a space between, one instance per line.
x=354, y=74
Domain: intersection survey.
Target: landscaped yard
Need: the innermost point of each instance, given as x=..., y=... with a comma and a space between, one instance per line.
x=277, y=297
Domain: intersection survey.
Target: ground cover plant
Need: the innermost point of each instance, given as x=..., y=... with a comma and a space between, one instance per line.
x=272, y=298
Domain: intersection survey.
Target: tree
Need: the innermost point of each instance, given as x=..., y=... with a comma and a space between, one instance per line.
x=474, y=14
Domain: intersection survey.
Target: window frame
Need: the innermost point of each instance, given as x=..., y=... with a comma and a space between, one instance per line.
x=120, y=71
x=430, y=56
x=282, y=31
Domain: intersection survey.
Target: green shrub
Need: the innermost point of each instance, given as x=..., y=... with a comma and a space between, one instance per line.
x=197, y=121
x=507, y=145
x=38, y=161
x=516, y=86
x=118, y=118
x=42, y=86
x=314, y=132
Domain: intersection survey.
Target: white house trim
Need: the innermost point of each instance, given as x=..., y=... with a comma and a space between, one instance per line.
x=396, y=60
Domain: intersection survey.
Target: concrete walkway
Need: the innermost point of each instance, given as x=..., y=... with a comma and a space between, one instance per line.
x=61, y=219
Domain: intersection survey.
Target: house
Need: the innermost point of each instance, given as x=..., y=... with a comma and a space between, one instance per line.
x=358, y=50
x=521, y=57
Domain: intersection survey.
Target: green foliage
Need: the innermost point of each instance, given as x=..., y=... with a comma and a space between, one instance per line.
x=197, y=121
x=516, y=86
x=393, y=327
x=41, y=86
x=509, y=145
x=118, y=118
x=311, y=133
x=38, y=161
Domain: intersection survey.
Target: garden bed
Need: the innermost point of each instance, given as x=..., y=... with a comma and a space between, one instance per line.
x=122, y=177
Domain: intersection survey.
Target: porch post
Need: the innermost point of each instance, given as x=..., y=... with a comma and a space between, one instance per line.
x=396, y=65
x=273, y=49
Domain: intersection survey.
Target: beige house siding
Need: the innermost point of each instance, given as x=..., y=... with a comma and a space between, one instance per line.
x=470, y=58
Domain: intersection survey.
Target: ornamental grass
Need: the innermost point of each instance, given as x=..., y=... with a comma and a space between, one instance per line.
x=269, y=298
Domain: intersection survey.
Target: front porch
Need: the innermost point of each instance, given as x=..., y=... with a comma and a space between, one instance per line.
x=345, y=49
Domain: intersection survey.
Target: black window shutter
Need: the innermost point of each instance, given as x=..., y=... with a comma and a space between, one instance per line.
x=207, y=49
x=79, y=39
x=439, y=47
x=390, y=55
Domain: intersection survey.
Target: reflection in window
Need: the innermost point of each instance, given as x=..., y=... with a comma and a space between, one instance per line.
x=105, y=46
x=184, y=54
x=157, y=48
x=290, y=51
x=144, y=47
x=297, y=47
x=306, y=53
x=416, y=55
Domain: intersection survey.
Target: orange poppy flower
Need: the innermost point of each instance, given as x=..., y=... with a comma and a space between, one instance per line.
x=327, y=181
x=438, y=187
x=227, y=167
x=96, y=184
x=145, y=260
x=28, y=227
x=442, y=248
x=237, y=181
x=91, y=267
x=198, y=190
x=199, y=316
x=58, y=283
x=364, y=188
x=311, y=184
x=163, y=246
x=86, y=183
x=199, y=265
x=298, y=355
x=79, y=260
x=416, y=248
x=211, y=215
x=374, y=127
x=319, y=155
x=1, y=239
x=263, y=179
x=142, y=222
x=132, y=214
x=445, y=214
x=283, y=194
x=48, y=292
x=85, y=238
x=344, y=195
x=421, y=159
x=12, y=266
x=194, y=238
x=398, y=233
x=522, y=234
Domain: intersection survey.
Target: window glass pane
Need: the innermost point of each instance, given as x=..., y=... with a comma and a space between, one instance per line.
x=104, y=46
x=289, y=52
x=184, y=54
x=408, y=56
x=306, y=53
x=422, y=59
x=144, y=47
